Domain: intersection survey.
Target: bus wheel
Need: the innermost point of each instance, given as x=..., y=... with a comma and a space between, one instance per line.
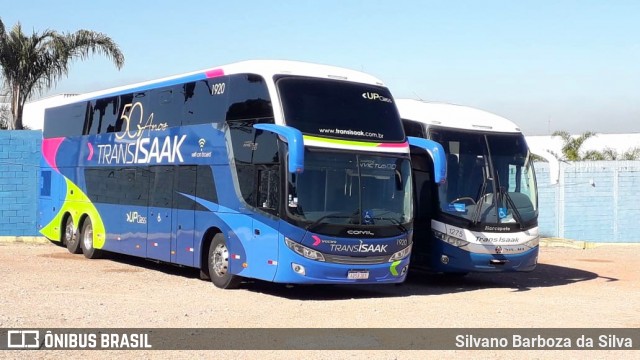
x=218, y=264
x=86, y=237
x=71, y=236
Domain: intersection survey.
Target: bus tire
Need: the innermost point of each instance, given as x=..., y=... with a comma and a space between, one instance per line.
x=86, y=241
x=70, y=238
x=218, y=264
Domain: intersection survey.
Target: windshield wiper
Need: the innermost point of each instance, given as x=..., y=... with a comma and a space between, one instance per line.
x=394, y=221
x=478, y=210
x=516, y=212
x=336, y=215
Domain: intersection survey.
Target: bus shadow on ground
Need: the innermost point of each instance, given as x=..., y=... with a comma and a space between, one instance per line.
x=417, y=283
x=423, y=284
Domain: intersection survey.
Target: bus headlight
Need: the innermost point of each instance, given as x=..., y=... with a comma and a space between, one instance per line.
x=401, y=254
x=303, y=250
x=449, y=239
x=533, y=243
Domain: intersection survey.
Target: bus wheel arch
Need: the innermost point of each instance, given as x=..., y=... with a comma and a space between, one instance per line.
x=207, y=238
x=70, y=236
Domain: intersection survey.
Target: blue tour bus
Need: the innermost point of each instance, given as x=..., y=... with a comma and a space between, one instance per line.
x=275, y=170
x=484, y=218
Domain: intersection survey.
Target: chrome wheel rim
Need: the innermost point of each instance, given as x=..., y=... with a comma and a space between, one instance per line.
x=220, y=260
x=87, y=237
x=69, y=233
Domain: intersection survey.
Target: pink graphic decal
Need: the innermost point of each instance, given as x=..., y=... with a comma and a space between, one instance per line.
x=90, y=151
x=317, y=240
x=214, y=73
x=394, y=145
x=50, y=150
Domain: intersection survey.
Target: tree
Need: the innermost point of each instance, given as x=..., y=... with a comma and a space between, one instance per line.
x=571, y=145
x=4, y=114
x=34, y=63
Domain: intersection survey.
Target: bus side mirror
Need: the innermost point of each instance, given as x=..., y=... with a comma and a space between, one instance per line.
x=436, y=151
x=293, y=137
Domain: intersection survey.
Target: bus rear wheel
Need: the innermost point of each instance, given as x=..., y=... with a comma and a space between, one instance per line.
x=70, y=238
x=86, y=237
x=218, y=264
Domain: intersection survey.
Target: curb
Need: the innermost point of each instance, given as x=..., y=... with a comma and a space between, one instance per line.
x=577, y=244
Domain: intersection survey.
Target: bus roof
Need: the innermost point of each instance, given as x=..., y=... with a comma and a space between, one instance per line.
x=265, y=68
x=453, y=116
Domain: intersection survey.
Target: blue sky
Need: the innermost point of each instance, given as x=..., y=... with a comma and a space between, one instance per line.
x=546, y=65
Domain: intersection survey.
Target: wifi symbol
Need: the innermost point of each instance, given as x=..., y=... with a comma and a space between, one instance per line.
x=202, y=142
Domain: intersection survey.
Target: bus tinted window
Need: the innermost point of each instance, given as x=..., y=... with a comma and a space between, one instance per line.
x=66, y=120
x=339, y=109
x=205, y=101
x=205, y=184
x=166, y=106
x=413, y=128
x=161, y=189
x=124, y=186
x=249, y=98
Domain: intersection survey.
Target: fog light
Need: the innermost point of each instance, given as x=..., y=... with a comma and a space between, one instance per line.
x=444, y=259
x=298, y=269
x=404, y=270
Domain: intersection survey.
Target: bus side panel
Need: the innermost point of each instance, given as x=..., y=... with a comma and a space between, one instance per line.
x=50, y=202
x=182, y=244
x=126, y=228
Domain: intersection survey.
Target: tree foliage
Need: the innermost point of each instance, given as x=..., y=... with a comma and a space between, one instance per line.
x=34, y=63
x=571, y=145
x=572, y=149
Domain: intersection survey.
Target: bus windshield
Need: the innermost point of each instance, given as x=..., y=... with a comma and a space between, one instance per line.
x=340, y=109
x=490, y=177
x=354, y=189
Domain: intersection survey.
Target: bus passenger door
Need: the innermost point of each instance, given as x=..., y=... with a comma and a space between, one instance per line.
x=160, y=213
x=183, y=215
x=265, y=237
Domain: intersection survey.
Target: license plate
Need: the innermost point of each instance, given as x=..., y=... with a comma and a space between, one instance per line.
x=358, y=274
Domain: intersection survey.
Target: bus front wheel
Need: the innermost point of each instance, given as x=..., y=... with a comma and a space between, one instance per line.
x=218, y=264
x=71, y=236
x=86, y=237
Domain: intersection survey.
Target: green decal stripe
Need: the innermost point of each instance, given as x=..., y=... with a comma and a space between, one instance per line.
x=393, y=270
x=341, y=142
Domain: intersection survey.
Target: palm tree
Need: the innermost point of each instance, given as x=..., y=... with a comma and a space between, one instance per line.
x=571, y=145
x=34, y=63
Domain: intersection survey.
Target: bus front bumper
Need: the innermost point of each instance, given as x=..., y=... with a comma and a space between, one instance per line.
x=296, y=269
x=451, y=259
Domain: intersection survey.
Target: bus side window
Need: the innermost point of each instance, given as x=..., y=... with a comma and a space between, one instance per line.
x=104, y=115
x=161, y=186
x=413, y=128
x=64, y=121
x=269, y=188
x=166, y=106
x=185, y=183
x=205, y=185
x=249, y=98
x=205, y=101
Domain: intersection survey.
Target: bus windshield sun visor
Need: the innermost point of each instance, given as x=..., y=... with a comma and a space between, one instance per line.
x=294, y=138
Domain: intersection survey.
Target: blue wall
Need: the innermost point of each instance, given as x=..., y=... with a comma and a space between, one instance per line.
x=595, y=201
x=19, y=177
